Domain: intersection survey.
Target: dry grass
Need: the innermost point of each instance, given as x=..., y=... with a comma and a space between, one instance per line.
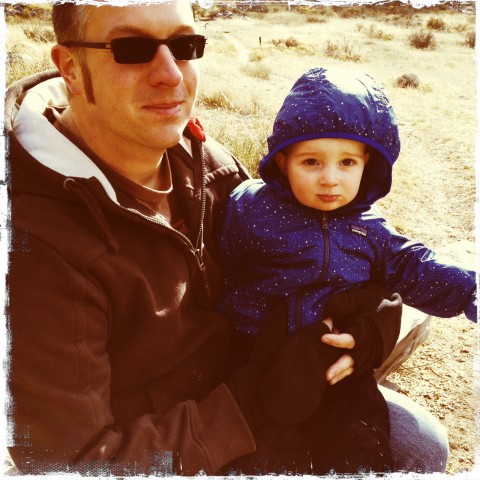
x=28, y=48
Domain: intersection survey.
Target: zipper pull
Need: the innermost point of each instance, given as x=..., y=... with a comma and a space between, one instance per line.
x=198, y=254
x=324, y=221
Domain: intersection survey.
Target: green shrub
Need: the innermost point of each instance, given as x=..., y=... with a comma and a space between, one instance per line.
x=435, y=23
x=422, y=40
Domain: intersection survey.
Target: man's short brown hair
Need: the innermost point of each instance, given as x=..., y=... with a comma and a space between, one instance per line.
x=69, y=21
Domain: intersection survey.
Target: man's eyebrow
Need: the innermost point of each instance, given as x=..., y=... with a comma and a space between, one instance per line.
x=145, y=32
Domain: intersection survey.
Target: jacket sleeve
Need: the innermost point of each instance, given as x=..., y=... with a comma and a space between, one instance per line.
x=60, y=378
x=427, y=281
x=243, y=301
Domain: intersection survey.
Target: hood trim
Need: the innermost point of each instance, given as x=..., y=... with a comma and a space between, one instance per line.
x=31, y=128
x=314, y=136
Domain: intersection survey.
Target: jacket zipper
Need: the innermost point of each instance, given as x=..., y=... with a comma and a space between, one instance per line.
x=326, y=262
x=196, y=249
x=326, y=247
x=171, y=231
x=203, y=188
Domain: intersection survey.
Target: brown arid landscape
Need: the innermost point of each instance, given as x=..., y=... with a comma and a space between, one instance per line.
x=425, y=58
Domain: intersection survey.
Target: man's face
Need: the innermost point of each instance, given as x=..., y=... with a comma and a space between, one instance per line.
x=324, y=173
x=139, y=106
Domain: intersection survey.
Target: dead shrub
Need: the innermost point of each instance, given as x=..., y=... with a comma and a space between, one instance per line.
x=377, y=33
x=256, y=55
x=435, y=23
x=257, y=71
x=344, y=50
x=292, y=42
x=312, y=19
x=39, y=33
x=407, y=80
x=470, y=39
x=422, y=40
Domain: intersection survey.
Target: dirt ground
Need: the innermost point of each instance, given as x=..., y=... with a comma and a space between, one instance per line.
x=440, y=376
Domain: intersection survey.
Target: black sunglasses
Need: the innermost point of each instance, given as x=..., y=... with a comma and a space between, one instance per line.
x=143, y=49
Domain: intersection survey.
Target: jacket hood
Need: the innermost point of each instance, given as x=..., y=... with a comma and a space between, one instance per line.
x=331, y=103
x=28, y=123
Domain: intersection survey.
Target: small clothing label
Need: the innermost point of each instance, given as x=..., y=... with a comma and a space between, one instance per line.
x=358, y=230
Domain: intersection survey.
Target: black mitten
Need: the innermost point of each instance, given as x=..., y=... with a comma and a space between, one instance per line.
x=284, y=379
x=373, y=317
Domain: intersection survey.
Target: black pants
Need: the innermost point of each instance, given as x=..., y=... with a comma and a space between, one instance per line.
x=349, y=433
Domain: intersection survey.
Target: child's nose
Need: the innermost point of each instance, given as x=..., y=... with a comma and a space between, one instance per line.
x=329, y=176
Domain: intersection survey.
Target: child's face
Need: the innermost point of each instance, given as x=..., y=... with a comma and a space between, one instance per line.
x=324, y=173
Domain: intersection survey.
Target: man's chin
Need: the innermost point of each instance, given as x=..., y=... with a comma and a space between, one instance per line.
x=168, y=138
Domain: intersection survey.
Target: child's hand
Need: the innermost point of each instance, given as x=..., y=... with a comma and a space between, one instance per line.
x=343, y=367
x=374, y=330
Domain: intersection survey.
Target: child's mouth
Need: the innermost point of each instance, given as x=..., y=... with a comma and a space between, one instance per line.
x=328, y=198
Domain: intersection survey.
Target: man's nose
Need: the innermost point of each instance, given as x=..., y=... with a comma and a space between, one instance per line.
x=164, y=68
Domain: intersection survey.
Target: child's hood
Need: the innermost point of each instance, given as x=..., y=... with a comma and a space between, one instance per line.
x=328, y=103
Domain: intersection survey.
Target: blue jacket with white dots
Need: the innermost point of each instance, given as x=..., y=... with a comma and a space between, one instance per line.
x=274, y=247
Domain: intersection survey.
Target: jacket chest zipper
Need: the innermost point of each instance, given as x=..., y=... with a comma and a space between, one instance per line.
x=200, y=180
x=326, y=261
x=174, y=233
x=193, y=250
x=199, y=171
x=326, y=247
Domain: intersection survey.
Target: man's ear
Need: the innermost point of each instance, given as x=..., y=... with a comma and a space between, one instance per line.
x=69, y=68
x=281, y=160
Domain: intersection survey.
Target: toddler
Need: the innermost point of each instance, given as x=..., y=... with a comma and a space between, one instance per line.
x=309, y=230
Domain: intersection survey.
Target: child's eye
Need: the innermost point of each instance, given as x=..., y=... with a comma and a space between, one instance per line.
x=348, y=162
x=310, y=162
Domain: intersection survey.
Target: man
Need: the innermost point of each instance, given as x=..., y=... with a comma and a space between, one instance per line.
x=117, y=358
